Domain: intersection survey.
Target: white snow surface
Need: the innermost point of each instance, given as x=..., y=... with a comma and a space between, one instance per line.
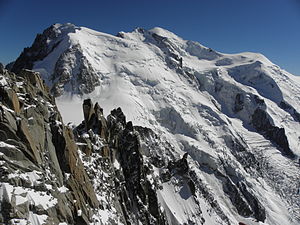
x=194, y=114
x=5, y=145
x=17, y=195
x=3, y=81
x=21, y=195
x=33, y=177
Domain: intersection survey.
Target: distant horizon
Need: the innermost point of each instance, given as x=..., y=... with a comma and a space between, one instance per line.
x=269, y=28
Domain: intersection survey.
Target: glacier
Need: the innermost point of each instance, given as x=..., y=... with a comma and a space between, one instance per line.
x=236, y=115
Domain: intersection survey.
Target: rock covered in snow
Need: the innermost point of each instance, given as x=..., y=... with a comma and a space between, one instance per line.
x=126, y=191
x=43, y=180
x=236, y=115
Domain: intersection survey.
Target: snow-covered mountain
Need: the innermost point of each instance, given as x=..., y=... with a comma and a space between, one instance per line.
x=236, y=115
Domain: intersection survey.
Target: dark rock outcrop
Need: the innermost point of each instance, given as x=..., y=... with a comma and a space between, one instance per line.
x=262, y=123
x=180, y=166
x=118, y=143
x=293, y=112
x=1, y=68
x=237, y=198
x=257, y=208
x=81, y=80
x=239, y=103
x=241, y=197
x=10, y=65
x=125, y=140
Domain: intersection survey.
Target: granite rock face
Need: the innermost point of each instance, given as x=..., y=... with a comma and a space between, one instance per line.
x=115, y=145
x=42, y=177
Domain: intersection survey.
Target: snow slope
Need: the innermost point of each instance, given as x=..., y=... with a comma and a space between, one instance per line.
x=198, y=100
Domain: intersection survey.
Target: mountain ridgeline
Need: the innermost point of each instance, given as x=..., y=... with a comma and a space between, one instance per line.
x=191, y=136
x=52, y=173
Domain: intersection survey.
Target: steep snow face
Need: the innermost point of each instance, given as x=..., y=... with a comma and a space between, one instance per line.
x=237, y=115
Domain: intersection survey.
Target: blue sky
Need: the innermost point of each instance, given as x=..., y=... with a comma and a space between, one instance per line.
x=271, y=27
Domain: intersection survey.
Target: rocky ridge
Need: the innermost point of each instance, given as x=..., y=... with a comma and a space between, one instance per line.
x=103, y=166
x=42, y=176
x=218, y=133
x=55, y=174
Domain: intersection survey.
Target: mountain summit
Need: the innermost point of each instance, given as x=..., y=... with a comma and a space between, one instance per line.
x=219, y=133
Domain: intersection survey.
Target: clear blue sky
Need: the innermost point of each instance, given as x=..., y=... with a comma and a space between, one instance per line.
x=271, y=27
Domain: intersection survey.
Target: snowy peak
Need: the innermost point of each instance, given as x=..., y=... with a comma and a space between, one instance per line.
x=64, y=29
x=142, y=34
x=80, y=49
x=42, y=46
x=236, y=115
x=169, y=41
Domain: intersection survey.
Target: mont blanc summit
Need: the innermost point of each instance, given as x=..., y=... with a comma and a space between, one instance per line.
x=164, y=131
